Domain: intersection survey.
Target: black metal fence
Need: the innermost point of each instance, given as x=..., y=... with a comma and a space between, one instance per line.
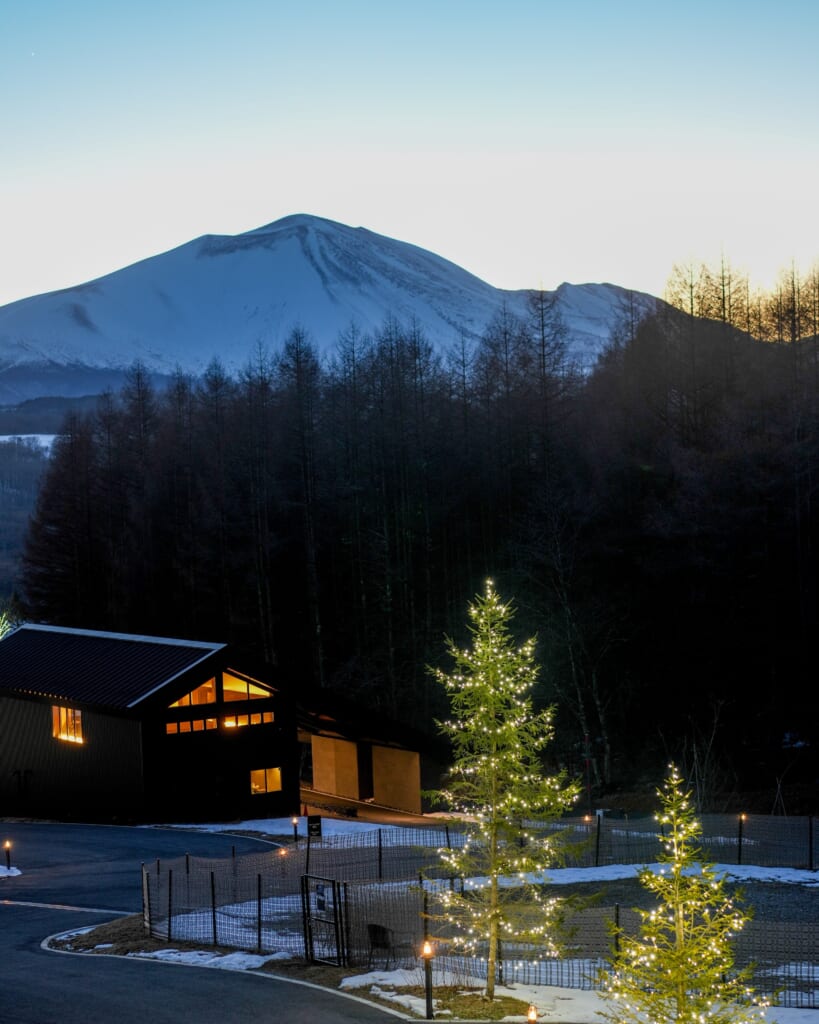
x=358, y=899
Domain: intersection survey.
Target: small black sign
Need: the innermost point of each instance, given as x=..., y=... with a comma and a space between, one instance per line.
x=314, y=826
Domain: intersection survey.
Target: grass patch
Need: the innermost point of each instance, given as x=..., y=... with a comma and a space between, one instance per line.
x=470, y=1004
x=126, y=935
x=122, y=936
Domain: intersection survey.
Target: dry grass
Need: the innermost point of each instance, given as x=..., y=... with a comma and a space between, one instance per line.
x=127, y=935
x=120, y=937
x=469, y=1004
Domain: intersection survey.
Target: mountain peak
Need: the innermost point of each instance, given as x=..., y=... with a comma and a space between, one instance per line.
x=298, y=220
x=223, y=295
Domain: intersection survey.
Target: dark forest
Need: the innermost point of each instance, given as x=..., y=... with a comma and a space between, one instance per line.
x=652, y=520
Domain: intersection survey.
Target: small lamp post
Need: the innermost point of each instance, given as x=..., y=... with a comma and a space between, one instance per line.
x=7, y=848
x=294, y=821
x=427, y=955
x=531, y=1014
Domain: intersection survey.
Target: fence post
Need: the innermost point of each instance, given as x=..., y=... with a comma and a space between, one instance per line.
x=305, y=914
x=307, y=855
x=170, y=901
x=380, y=859
x=213, y=906
x=597, y=842
x=617, y=928
x=810, y=843
x=448, y=846
x=739, y=838
x=187, y=863
x=146, y=899
x=259, y=913
x=345, y=910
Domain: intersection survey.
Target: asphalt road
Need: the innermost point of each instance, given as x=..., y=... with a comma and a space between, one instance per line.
x=77, y=875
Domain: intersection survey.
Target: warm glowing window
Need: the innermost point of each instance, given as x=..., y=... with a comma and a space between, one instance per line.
x=265, y=780
x=204, y=694
x=66, y=724
x=198, y=725
x=236, y=688
x=235, y=721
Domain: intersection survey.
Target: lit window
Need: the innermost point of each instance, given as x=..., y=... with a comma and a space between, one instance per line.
x=197, y=725
x=204, y=694
x=66, y=724
x=230, y=722
x=265, y=780
x=236, y=688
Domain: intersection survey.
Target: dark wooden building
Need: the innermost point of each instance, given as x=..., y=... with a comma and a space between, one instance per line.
x=111, y=726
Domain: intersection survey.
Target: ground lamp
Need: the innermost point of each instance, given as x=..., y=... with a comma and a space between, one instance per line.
x=426, y=956
x=294, y=821
x=7, y=848
x=531, y=1014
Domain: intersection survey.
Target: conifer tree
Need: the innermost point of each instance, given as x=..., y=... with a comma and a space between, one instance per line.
x=680, y=967
x=497, y=781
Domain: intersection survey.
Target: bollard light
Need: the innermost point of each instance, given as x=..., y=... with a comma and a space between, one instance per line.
x=531, y=1014
x=7, y=848
x=294, y=821
x=426, y=955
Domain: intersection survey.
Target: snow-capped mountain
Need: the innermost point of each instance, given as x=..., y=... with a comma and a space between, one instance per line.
x=224, y=295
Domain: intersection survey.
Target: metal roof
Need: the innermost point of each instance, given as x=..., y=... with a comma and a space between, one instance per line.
x=116, y=670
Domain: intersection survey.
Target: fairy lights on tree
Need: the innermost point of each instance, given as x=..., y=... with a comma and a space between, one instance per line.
x=680, y=968
x=6, y=622
x=497, y=782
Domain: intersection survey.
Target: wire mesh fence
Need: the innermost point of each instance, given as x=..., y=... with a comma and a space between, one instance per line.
x=359, y=900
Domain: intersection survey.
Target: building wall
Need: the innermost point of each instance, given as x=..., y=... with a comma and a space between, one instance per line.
x=42, y=775
x=397, y=778
x=335, y=766
x=205, y=776
x=396, y=774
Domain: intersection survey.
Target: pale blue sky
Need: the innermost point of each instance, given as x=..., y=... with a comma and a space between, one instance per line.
x=530, y=142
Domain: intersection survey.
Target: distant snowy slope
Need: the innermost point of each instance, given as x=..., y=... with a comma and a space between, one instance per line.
x=223, y=296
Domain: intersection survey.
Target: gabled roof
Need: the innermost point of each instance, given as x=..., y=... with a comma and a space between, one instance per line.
x=116, y=670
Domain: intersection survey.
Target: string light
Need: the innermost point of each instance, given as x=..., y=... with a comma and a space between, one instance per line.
x=496, y=780
x=681, y=967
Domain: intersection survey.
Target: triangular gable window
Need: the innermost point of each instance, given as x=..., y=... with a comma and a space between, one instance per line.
x=204, y=694
x=238, y=688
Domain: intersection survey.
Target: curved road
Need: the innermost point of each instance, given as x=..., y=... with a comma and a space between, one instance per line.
x=79, y=875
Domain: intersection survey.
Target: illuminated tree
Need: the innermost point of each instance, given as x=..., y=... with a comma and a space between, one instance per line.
x=680, y=968
x=497, y=781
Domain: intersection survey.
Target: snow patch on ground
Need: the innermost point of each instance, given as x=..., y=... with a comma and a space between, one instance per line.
x=207, y=958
